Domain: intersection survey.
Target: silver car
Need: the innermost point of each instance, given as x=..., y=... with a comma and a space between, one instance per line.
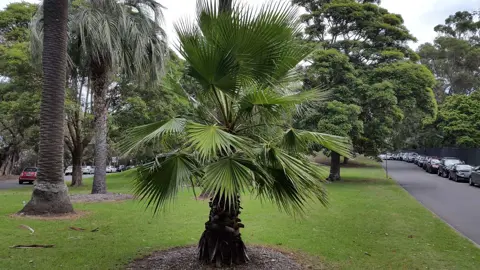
x=460, y=172
x=475, y=177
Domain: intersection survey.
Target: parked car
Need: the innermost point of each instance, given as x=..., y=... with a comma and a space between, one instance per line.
x=88, y=170
x=460, y=172
x=69, y=170
x=111, y=169
x=475, y=177
x=411, y=157
x=445, y=163
x=420, y=160
x=431, y=166
x=28, y=175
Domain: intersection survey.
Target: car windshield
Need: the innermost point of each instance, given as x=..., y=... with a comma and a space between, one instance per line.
x=30, y=170
x=449, y=162
x=463, y=167
x=435, y=161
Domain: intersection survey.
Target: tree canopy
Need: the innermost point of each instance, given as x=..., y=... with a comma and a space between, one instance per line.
x=365, y=60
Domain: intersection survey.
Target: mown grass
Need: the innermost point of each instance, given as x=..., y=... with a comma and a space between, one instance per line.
x=371, y=223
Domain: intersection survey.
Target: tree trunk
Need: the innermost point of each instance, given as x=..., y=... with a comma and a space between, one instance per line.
x=50, y=194
x=334, y=167
x=345, y=160
x=100, y=83
x=221, y=242
x=77, y=156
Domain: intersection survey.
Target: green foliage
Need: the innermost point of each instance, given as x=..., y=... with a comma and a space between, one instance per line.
x=453, y=57
x=341, y=119
x=368, y=64
x=20, y=86
x=244, y=63
x=119, y=37
x=459, y=120
x=14, y=20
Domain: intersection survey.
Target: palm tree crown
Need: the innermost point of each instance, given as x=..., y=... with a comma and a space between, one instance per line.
x=123, y=36
x=244, y=60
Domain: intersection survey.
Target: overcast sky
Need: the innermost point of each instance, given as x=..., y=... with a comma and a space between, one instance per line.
x=420, y=15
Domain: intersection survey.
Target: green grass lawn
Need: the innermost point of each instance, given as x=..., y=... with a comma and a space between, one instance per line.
x=371, y=223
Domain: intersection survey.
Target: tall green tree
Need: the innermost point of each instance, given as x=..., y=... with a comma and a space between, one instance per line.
x=20, y=87
x=454, y=55
x=244, y=62
x=331, y=68
x=50, y=194
x=115, y=38
x=375, y=43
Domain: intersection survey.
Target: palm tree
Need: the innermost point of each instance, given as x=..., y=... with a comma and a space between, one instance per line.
x=50, y=194
x=244, y=60
x=114, y=38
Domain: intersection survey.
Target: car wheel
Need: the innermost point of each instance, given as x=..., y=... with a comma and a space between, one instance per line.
x=20, y=182
x=470, y=182
x=455, y=178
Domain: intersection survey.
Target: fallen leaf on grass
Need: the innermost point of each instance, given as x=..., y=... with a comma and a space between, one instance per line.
x=32, y=246
x=366, y=253
x=76, y=229
x=95, y=230
x=27, y=228
x=410, y=236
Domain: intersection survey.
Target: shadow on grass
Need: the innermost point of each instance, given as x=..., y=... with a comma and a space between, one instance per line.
x=358, y=162
x=368, y=181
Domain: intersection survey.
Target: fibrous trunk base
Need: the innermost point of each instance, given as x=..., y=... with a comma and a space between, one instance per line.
x=48, y=199
x=221, y=242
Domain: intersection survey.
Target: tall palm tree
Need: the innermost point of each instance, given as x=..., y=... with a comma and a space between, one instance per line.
x=244, y=60
x=114, y=38
x=50, y=194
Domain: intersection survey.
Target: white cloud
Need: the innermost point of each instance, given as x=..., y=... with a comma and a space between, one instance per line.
x=420, y=15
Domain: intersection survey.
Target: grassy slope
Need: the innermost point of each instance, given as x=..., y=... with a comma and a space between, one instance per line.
x=366, y=226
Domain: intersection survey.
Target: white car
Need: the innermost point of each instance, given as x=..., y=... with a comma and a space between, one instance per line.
x=111, y=169
x=69, y=170
x=88, y=170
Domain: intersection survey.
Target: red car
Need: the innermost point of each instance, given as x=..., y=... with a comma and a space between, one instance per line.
x=28, y=175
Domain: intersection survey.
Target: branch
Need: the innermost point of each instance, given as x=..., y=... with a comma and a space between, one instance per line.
x=69, y=144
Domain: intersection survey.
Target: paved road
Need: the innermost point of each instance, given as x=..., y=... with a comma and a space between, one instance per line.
x=9, y=184
x=456, y=203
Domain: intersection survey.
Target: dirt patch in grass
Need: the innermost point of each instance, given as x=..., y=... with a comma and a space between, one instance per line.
x=185, y=258
x=109, y=197
x=71, y=216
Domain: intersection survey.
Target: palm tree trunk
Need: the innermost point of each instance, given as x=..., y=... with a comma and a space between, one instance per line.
x=345, y=160
x=100, y=84
x=50, y=194
x=221, y=242
x=334, y=167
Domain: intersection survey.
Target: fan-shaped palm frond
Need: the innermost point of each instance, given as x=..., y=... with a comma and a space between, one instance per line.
x=243, y=60
x=231, y=50
x=124, y=36
x=158, y=181
x=142, y=135
x=299, y=140
x=210, y=141
x=296, y=181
